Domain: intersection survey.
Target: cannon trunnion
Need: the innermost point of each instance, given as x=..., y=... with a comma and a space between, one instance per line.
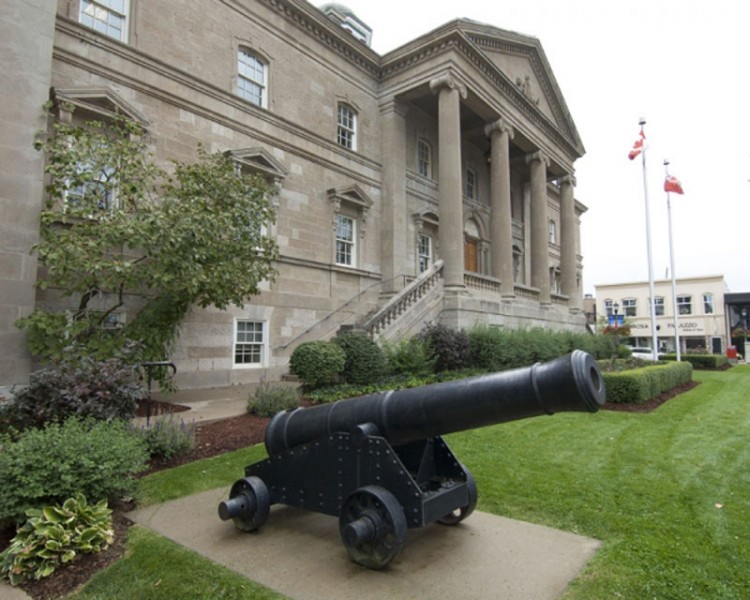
x=379, y=462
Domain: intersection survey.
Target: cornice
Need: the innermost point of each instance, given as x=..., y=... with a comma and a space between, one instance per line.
x=453, y=39
x=328, y=33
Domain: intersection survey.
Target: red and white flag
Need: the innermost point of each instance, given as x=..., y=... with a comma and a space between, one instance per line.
x=637, y=146
x=672, y=184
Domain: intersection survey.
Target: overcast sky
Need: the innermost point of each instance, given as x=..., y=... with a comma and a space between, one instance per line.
x=684, y=66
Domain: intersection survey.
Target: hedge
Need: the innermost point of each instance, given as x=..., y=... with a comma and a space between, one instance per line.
x=700, y=361
x=638, y=386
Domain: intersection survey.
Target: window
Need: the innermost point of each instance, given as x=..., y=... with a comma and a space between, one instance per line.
x=517, y=264
x=629, y=307
x=659, y=306
x=95, y=190
x=345, y=232
x=424, y=158
x=552, y=231
x=470, y=184
x=252, y=78
x=708, y=304
x=424, y=252
x=608, y=307
x=109, y=17
x=249, y=343
x=346, y=131
x=684, y=305
x=555, y=278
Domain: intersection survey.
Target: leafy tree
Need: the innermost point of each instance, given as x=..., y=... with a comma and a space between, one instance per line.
x=119, y=229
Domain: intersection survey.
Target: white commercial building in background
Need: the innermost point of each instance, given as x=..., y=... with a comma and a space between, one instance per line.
x=699, y=302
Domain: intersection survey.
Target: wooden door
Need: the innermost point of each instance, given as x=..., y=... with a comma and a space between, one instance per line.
x=471, y=262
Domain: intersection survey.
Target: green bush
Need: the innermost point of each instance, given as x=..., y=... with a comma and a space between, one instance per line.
x=270, y=399
x=167, y=435
x=700, y=361
x=638, y=386
x=53, y=536
x=408, y=356
x=449, y=348
x=498, y=349
x=106, y=390
x=317, y=363
x=365, y=361
x=49, y=465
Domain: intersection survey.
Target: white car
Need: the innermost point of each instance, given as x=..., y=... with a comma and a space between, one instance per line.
x=644, y=353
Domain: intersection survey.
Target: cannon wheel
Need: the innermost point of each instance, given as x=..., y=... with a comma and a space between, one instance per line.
x=249, y=504
x=460, y=514
x=372, y=526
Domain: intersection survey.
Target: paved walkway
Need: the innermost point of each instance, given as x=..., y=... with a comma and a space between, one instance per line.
x=300, y=554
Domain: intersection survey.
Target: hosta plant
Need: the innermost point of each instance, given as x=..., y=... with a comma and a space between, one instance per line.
x=53, y=536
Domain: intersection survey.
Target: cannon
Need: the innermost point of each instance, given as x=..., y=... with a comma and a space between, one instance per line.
x=379, y=463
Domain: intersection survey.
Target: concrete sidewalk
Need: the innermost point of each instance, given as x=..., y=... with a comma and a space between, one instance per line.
x=300, y=554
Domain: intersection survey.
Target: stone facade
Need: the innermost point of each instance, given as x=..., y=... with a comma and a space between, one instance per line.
x=435, y=182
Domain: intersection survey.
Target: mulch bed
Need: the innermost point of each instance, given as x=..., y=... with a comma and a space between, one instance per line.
x=211, y=439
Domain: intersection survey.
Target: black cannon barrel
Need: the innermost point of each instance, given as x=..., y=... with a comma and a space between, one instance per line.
x=569, y=383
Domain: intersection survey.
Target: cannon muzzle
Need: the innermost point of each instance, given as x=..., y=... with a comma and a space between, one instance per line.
x=569, y=383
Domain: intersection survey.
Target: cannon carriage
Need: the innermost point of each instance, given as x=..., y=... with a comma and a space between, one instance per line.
x=379, y=462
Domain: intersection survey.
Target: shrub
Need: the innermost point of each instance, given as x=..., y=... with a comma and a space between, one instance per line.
x=49, y=465
x=270, y=399
x=700, y=361
x=53, y=536
x=408, y=357
x=108, y=389
x=317, y=363
x=365, y=361
x=641, y=385
x=449, y=348
x=167, y=436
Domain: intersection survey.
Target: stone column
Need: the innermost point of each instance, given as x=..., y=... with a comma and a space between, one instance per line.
x=501, y=225
x=539, y=221
x=394, y=247
x=451, y=232
x=569, y=242
x=28, y=31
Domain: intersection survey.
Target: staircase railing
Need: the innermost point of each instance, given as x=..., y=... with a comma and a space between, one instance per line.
x=403, y=300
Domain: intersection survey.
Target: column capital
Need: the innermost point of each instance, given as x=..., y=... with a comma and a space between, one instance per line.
x=449, y=81
x=568, y=179
x=501, y=126
x=537, y=156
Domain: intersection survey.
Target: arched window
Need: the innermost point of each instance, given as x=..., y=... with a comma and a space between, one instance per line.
x=346, y=126
x=252, y=78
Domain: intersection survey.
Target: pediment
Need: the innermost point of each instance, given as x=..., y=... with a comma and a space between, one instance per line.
x=352, y=194
x=99, y=101
x=521, y=59
x=260, y=161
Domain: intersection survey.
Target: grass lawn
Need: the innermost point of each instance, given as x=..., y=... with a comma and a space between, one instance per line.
x=667, y=492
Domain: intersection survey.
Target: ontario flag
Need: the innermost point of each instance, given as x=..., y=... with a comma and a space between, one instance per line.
x=637, y=146
x=672, y=184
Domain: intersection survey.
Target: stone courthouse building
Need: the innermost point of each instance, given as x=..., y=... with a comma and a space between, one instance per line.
x=432, y=183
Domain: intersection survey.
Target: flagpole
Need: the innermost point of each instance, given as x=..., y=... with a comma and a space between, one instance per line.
x=671, y=267
x=654, y=340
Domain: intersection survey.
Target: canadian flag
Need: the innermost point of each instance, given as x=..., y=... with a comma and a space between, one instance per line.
x=672, y=184
x=637, y=146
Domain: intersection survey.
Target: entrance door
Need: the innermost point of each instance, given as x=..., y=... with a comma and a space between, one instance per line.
x=471, y=263
x=716, y=345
